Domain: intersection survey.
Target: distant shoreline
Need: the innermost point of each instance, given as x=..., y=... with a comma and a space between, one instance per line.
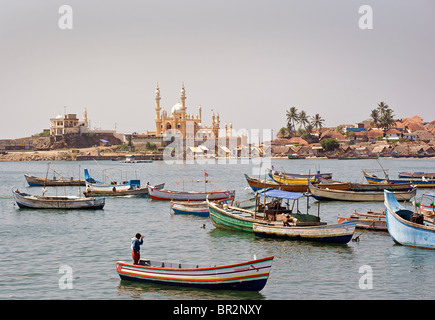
x=100, y=153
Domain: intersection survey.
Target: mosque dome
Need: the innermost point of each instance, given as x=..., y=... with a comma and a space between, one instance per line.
x=177, y=108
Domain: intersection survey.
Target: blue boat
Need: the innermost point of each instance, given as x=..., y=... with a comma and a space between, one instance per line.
x=194, y=208
x=113, y=186
x=406, y=227
x=417, y=182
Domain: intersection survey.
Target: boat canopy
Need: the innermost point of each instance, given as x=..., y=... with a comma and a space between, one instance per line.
x=431, y=194
x=275, y=193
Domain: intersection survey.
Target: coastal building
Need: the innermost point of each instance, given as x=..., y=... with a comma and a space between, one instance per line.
x=193, y=136
x=180, y=123
x=68, y=124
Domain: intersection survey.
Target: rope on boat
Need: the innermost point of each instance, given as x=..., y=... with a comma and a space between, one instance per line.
x=356, y=239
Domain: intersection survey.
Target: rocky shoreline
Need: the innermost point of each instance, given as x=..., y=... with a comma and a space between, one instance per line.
x=95, y=153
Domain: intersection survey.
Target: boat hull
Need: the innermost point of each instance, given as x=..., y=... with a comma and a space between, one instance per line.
x=224, y=219
x=343, y=195
x=257, y=184
x=167, y=195
x=413, y=175
x=336, y=233
x=403, y=231
x=248, y=276
x=419, y=183
x=40, y=182
x=380, y=187
x=197, y=209
x=368, y=221
x=138, y=192
x=27, y=201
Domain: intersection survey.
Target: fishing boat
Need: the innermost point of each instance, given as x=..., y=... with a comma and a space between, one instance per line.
x=428, y=209
x=380, y=186
x=236, y=218
x=114, y=192
x=257, y=184
x=292, y=181
x=25, y=200
x=194, y=207
x=168, y=195
x=411, y=175
x=54, y=182
x=406, y=227
x=316, y=175
x=132, y=159
x=249, y=276
x=334, y=233
x=369, y=220
x=95, y=185
x=188, y=207
x=346, y=195
x=417, y=182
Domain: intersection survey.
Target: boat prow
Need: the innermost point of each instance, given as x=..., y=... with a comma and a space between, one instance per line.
x=406, y=227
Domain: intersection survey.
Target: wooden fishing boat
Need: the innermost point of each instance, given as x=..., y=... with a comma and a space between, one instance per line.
x=193, y=208
x=335, y=233
x=257, y=184
x=95, y=185
x=380, y=186
x=406, y=227
x=239, y=219
x=138, y=192
x=369, y=220
x=419, y=183
x=346, y=195
x=168, y=195
x=248, y=276
x=54, y=182
x=411, y=175
x=317, y=175
x=282, y=179
x=428, y=209
x=25, y=200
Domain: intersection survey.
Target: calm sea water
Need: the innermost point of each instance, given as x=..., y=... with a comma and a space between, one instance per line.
x=36, y=244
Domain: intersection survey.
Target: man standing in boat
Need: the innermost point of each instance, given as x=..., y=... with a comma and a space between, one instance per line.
x=135, y=247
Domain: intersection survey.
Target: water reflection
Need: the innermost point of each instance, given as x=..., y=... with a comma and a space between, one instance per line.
x=140, y=290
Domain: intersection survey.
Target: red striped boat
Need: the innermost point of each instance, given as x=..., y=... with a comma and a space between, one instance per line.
x=168, y=195
x=248, y=276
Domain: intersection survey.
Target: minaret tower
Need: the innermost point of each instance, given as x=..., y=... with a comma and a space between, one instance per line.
x=85, y=118
x=158, y=118
x=183, y=98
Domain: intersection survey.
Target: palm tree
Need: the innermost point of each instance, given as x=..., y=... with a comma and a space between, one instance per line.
x=386, y=120
x=383, y=107
x=317, y=121
x=303, y=119
x=375, y=117
x=292, y=117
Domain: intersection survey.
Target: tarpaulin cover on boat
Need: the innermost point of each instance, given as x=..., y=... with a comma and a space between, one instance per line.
x=275, y=193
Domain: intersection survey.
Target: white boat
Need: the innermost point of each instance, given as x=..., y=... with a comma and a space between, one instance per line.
x=25, y=200
x=346, y=195
x=168, y=195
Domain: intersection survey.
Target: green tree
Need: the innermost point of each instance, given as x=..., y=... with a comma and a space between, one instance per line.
x=374, y=117
x=329, y=144
x=382, y=116
x=292, y=118
x=283, y=132
x=317, y=121
x=303, y=119
x=386, y=120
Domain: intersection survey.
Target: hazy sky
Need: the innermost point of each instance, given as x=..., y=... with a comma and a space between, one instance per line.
x=249, y=61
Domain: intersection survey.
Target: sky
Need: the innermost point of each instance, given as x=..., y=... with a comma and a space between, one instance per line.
x=249, y=61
